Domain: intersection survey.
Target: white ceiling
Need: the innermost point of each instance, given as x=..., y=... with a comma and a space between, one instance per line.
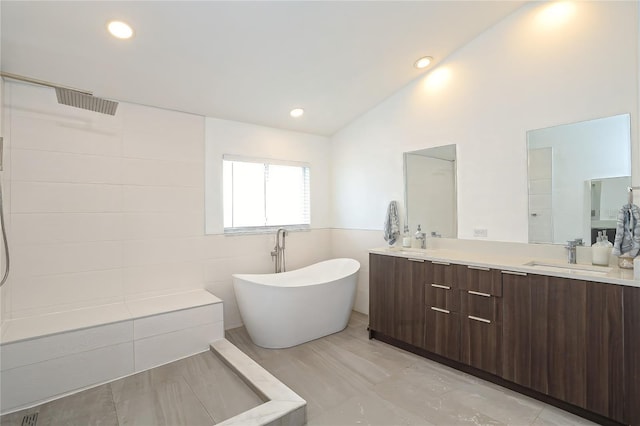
x=244, y=61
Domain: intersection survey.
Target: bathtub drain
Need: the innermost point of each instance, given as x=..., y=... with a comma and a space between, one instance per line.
x=30, y=420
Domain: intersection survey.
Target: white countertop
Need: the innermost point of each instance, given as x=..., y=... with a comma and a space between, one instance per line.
x=513, y=263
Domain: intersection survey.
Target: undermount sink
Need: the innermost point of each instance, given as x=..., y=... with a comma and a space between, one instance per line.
x=599, y=271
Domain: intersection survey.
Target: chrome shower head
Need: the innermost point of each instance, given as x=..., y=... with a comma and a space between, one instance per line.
x=72, y=97
x=82, y=100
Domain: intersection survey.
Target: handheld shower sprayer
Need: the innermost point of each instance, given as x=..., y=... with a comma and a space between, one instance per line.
x=2, y=225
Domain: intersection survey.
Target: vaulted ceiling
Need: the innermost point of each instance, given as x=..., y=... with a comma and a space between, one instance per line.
x=246, y=61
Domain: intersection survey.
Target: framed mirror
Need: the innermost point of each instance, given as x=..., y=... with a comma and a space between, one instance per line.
x=563, y=164
x=430, y=191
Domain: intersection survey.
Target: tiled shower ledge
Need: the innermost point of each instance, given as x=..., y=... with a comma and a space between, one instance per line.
x=282, y=406
x=19, y=329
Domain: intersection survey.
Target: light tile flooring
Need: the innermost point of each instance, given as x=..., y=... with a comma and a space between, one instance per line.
x=199, y=390
x=346, y=379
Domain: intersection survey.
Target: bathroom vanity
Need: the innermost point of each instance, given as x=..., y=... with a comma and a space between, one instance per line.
x=568, y=337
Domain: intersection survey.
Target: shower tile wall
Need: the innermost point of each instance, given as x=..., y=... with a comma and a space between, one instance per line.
x=106, y=208
x=102, y=208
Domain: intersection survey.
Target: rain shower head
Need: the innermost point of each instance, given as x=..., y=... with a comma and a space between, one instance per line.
x=85, y=101
x=72, y=97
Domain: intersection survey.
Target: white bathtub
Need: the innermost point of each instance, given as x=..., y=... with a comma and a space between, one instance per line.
x=290, y=308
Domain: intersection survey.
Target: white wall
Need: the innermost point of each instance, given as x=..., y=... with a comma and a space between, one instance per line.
x=521, y=74
x=105, y=209
x=516, y=76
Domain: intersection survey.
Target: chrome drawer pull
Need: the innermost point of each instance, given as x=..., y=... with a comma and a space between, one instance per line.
x=477, y=293
x=415, y=260
x=446, y=287
x=479, y=268
x=441, y=263
x=479, y=319
x=444, y=311
x=522, y=274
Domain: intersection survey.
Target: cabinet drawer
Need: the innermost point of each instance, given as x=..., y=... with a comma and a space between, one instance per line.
x=480, y=279
x=441, y=296
x=442, y=273
x=481, y=306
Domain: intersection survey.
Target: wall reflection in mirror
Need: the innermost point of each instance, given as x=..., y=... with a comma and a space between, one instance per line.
x=430, y=191
x=578, y=176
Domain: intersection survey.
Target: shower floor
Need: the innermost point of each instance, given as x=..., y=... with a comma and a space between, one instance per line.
x=199, y=390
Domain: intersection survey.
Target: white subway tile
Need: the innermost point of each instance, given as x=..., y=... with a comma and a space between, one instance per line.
x=45, y=228
x=175, y=321
x=160, y=251
x=222, y=269
x=138, y=226
x=47, y=166
x=34, y=382
x=58, y=345
x=218, y=246
x=160, y=134
x=162, y=173
x=224, y=290
x=161, y=199
x=42, y=197
x=51, y=293
x=66, y=258
x=164, y=348
x=162, y=277
x=52, y=134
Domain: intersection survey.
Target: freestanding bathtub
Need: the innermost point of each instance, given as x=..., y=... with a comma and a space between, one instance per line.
x=290, y=308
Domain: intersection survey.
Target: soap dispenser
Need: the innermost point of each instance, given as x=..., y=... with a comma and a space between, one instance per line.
x=406, y=237
x=601, y=250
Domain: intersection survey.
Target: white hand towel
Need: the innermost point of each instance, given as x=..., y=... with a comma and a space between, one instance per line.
x=392, y=224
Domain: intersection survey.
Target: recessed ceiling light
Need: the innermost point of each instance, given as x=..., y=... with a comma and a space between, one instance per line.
x=120, y=29
x=423, y=62
x=296, y=112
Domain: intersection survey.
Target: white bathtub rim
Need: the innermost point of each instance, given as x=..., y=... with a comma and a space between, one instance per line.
x=293, y=275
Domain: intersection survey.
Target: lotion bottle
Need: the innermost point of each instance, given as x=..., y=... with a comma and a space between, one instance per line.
x=406, y=237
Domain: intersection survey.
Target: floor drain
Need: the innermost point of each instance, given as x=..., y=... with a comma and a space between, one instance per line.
x=30, y=420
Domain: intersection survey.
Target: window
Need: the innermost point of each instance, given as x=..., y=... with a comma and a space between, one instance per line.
x=264, y=194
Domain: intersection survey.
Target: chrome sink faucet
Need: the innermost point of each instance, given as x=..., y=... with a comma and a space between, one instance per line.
x=571, y=247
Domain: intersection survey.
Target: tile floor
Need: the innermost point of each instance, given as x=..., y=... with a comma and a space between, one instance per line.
x=199, y=390
x=346, y=379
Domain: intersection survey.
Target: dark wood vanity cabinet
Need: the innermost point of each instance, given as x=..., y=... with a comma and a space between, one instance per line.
x=563, y=338
x=481, y=317
x=442, y=311
x=396, y=294
x=571, y=341
x=631, y=298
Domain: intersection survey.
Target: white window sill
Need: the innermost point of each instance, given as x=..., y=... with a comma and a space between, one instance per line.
x=264, y=229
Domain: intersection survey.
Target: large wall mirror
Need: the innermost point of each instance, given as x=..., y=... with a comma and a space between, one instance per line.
x=578, y=176
x=430, y=191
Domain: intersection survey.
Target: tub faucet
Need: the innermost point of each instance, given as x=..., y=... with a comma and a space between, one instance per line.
x=278, y=251
x=571, y=248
